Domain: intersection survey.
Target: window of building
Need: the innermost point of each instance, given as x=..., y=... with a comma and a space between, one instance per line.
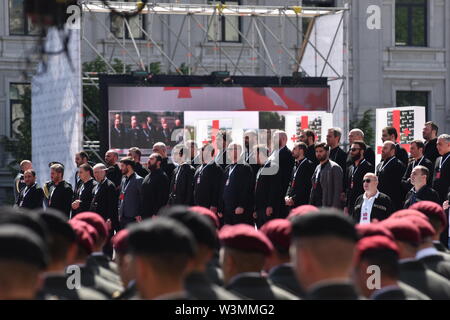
x=18, y=93
x=224, y=28
x=118, y=26
x=411, y=22
x=413, y=98
x=19, y=24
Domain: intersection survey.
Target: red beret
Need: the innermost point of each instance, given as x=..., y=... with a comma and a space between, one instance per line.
x=403, y=230
x=206, y=212
x=95, y=220
x=299, y=211
x=431, y=209
x=279, y=233
x=120, y=241
x=374, y=243
x=373, y=229
x=245, y=238
x=83, y=236
x=425, y=228
x=407, y=213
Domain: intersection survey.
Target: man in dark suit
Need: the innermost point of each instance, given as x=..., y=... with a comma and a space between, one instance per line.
x=336, y=153
x=60, y=192
x=372, y=205
x=355, y=174
x=249, y=155
x=181, y=185
x=130, y=197
x=266, y=188
x=323, y=255
x=300, y=183
x=278, y=265
x=429, y=133
x=31, y=196
x=390, y=172
x=282, y=157
x=136, y=154
x=167, y=164
x=105, y=200
x=223, y=140
x=82, y=197
x=155, y=188
x=416, y=150
x=358, y=135
x=161, y=249
x=308, y=137
x=236, y=205
x=207, y=180
x=113, y=172
x=441, y=180
x=391, y=134
x=165, y=134
x=80, y=159
x=19, y=182
x=412, y=271
x=149, y=133
x=134, y=135
x=194, y=157
x=420, y=190
x=118, y=135
x=244, y=253
x=381, y=251
x=197, y=283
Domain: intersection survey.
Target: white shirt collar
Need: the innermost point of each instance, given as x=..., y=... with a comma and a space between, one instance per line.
x=374, y=197
x=431, y=251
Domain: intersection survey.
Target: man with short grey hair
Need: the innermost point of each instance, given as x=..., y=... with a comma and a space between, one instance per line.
x=358, y=135
x=167, y=166
x=336, y=153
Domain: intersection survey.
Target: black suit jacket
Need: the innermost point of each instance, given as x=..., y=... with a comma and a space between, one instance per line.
x=238, y=192
x=354, y=182
x=431, y=151
x=105, y=201
x=339, y=156
x=311, y=155
x=401, y=154
x=284, y=277
x=207, y=184
x=333, y=291
x=118, y=136
x=155, y=192
x=267, y=188
x=140, y=170
x=412, y=164
x=85, y=194
x=369, y=155
x=300, y=183
x=256, y=287
x=381, y=210
x=441, y=180
x=32, y=199
x=200, y=287
x=60, y=197
x=181, y=185
x=168, y=168
x=19, y=184
x=438, y=264
x=134, y=137
x=424, y=194
x=114, y=175
x=390, y=179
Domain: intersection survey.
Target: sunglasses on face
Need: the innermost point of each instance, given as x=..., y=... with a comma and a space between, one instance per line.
x=354, y=149
x=367, y=180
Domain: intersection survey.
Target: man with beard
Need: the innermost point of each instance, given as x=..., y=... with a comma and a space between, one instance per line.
x=309, y=137
x=182, y=179
x=136, y=154
x=80, y=159
x=113, y=173
x=31, y=196
x=83, y=196
x=429, y=133
x=355, y=174
x=326, y=180
x=19, y=182
x=390, y=172
x=155, y=187
x=358, y=135
x=391, y=134
x=207, y=180
x=300, y=183
x=166, y=165
x=130, y=198
x=60, y=192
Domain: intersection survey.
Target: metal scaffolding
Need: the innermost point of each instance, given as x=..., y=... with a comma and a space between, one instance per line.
x=252, y=38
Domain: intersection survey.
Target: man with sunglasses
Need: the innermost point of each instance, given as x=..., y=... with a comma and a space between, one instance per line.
x=355, y=173
x=372, y=205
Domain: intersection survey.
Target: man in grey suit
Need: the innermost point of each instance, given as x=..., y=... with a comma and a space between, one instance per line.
x=130, y=205
x=326, y=180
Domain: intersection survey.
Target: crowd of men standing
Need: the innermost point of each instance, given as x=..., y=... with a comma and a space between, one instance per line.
x=240, y=186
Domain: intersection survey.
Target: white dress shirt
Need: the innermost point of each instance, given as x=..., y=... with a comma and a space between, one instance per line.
x=366, y=208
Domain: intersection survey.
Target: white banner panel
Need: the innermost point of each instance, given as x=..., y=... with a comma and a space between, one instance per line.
x=408, y=121
x=56, y=118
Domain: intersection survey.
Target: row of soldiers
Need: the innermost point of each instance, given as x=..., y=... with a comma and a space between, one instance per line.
x=182, y=254
x=247, y=184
